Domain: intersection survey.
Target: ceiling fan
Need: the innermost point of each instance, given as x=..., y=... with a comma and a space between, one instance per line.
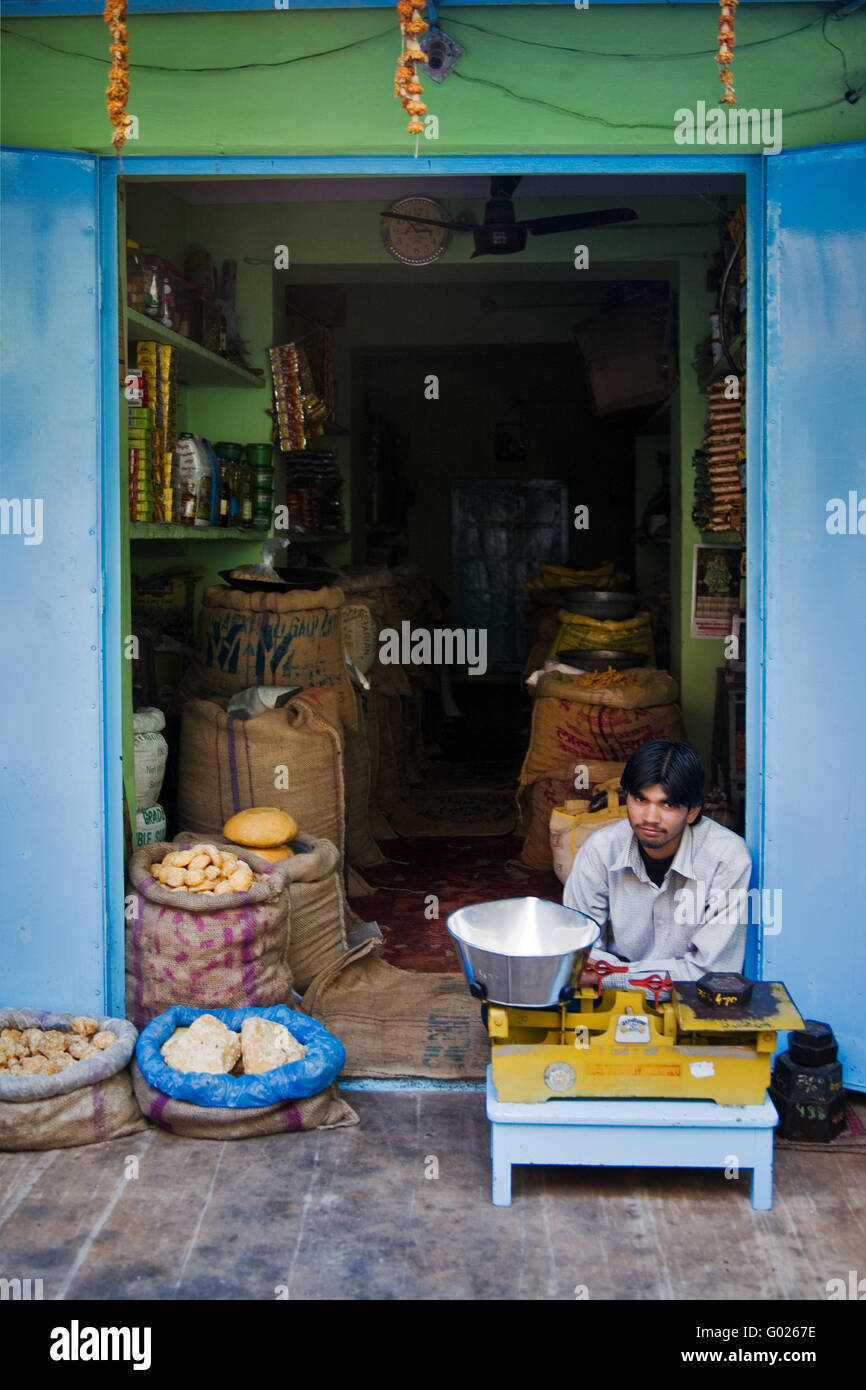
x=501, y=234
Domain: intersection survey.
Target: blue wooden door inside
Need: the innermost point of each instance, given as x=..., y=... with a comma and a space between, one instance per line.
x=814, y=837
x=52, y=923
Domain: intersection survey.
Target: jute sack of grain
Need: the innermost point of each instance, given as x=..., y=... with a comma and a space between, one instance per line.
x=577, y=779
x=318, y=911
x=245, y=639
x=361, y=847
x=397, y=1022
x=360, y=635
x=389, y=787
x=577, y=632
x=325, y=1111
x=604, y=576
x=565, y=730
x=540, y=798
x=317, y=902
x=380, y=827
x=291, y=758
x=84, y=1104
x=573, y=782
x=572, y=824
x=639, y=687
x=182, y=950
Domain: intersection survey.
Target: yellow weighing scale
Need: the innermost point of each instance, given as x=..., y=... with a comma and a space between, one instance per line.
x=550, y=1039
x=620, y=1045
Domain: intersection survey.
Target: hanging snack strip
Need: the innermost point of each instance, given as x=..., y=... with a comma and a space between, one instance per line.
x=288, y=397
x=725, y=55
x=117, y=91
x=315, y=410
x=719, y=463
x=159, y=365
x=406, y=84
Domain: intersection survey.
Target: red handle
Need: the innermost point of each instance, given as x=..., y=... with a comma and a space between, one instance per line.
x=655, y=983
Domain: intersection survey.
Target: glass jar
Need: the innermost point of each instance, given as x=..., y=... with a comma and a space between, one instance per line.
x=152, y=284
x=211, y=319
x=170, y=316
x=134, y=276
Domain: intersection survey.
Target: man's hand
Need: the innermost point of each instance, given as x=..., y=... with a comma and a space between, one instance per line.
x=590, y=976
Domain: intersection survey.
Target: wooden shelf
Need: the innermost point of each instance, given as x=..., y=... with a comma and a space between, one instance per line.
x=196, y=366
x=315, y=537
x=169, y=531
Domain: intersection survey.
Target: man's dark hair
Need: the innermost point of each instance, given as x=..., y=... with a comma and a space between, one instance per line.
x=676, y=767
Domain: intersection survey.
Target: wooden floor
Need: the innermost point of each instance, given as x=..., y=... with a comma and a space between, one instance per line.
x=349, y=1214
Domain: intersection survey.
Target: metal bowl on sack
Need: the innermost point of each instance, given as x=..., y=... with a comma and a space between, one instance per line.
x=526, y=952
x=599, y=660
x=608, y=605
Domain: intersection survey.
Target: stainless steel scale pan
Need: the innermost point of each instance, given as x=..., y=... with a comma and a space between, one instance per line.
x=525, y=952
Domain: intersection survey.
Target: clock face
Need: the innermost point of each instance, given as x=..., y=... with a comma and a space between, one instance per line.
x=415, y=243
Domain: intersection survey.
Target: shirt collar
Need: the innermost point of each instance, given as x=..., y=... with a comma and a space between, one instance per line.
x=629, y=856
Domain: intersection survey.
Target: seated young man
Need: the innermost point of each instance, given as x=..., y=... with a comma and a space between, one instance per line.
x=664, y=884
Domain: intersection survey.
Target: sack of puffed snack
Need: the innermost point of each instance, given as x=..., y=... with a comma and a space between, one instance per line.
x=64, y=1080
x=317, y=905
x=220, y=948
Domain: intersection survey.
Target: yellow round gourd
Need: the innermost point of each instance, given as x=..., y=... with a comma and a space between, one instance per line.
x=262, y=827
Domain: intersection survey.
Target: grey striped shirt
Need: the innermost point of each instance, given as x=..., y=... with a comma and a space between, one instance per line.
x=694, y=922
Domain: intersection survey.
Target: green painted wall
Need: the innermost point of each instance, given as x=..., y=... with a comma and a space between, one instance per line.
x=556, y=79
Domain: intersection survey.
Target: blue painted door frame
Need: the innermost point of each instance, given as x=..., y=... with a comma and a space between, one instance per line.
x=750, y=166
x=779, y=407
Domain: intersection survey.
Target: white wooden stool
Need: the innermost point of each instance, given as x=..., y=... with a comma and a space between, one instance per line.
x=632, y=1134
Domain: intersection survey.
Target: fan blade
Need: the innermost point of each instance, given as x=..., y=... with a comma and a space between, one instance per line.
x=576, y=221
x=428, y=221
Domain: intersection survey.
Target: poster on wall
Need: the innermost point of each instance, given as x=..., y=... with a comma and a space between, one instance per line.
x=715, y=589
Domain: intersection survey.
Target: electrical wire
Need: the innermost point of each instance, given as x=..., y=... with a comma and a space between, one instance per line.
x=638, y=57
x=600, y=120
x=235, y=67
x=452, y=20
x=855, y=92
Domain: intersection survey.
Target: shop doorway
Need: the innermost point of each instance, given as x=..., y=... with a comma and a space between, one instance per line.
x=464, y=390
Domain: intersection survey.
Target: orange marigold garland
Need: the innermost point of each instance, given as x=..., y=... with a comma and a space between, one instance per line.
x=727, y=43
x=406, y=84
x=117, y=91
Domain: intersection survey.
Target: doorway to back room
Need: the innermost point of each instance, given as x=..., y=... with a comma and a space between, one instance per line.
x=483, y=436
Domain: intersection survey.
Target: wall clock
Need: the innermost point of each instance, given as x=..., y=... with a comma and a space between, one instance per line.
x=416, y=243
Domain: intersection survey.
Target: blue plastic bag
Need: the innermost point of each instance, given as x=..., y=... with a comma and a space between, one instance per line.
x=294, y=1081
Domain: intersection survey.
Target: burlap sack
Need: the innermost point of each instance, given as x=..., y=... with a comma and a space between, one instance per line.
x=245, y=639
x=325, y=1111
x=563, y=730
x=85, y=1104
x=227, y=765
x=541, y=798
x=389, y=788
x=317, y=902
x=398, y=1023
x=180, y=950
x=360, y=636
x=319, y=914
x=643, y=687
x=361, y=847
x=572, y=824
x=380, y=827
